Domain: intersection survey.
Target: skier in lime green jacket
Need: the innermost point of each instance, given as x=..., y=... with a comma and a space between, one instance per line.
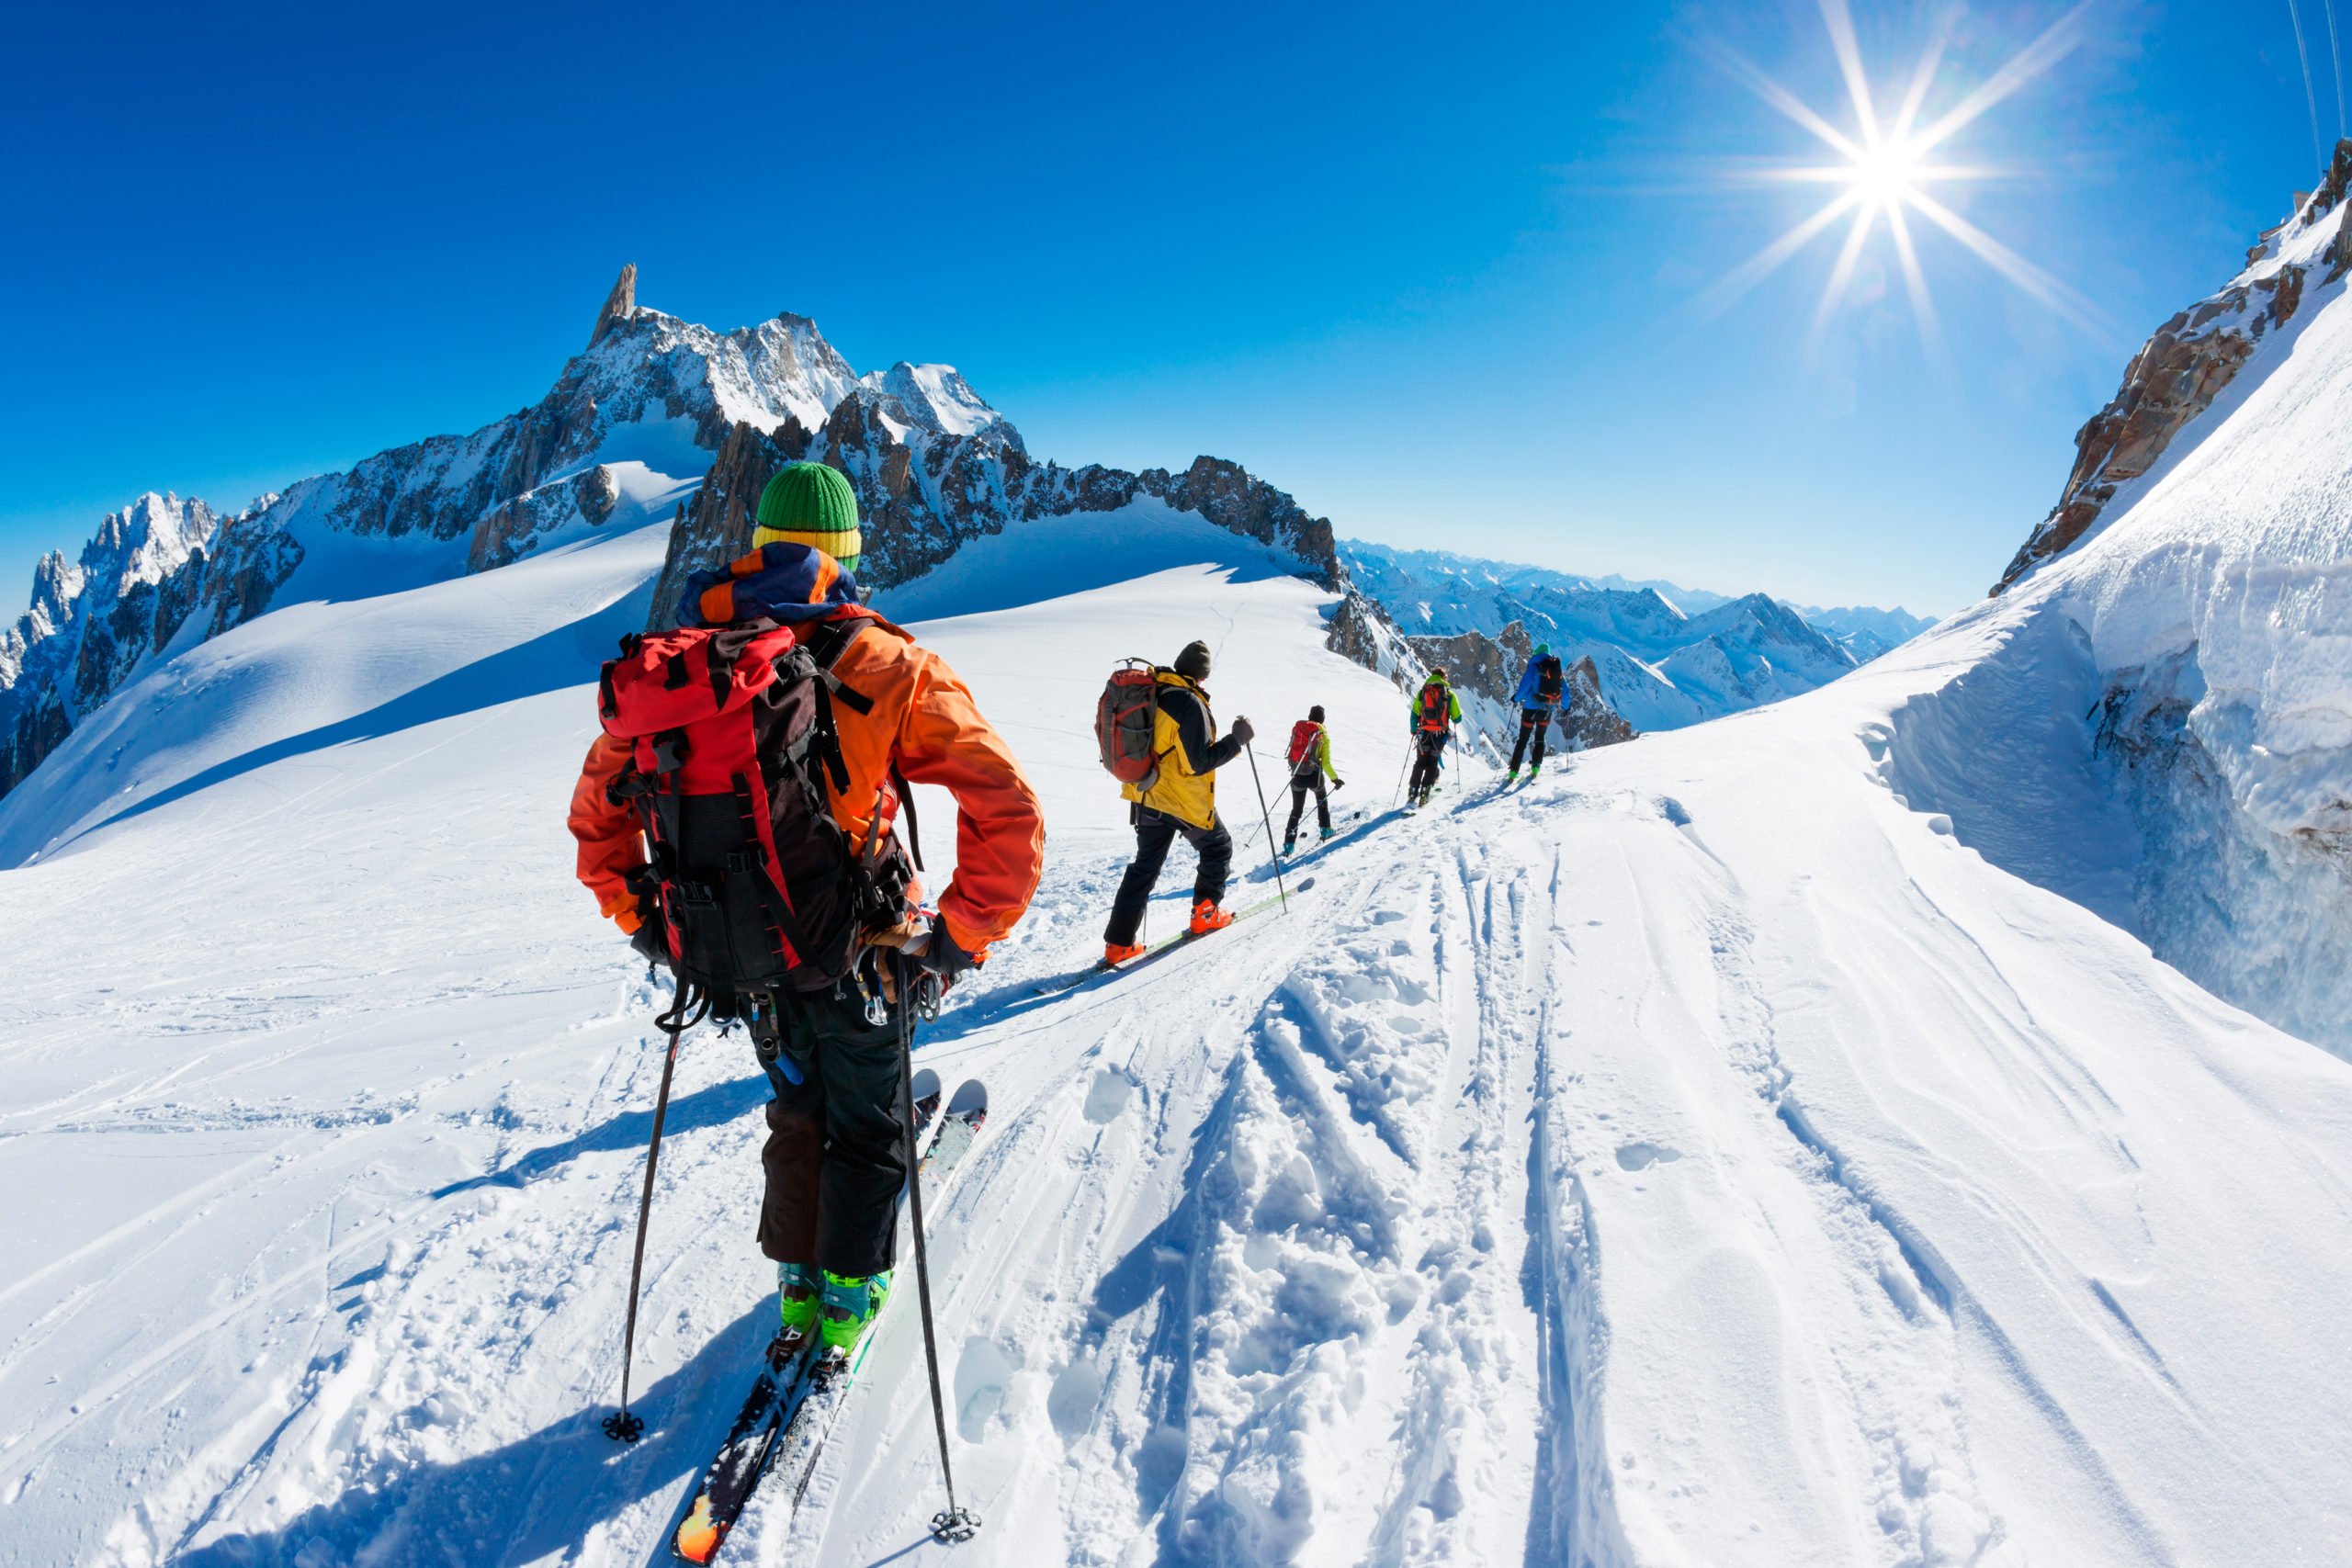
x=1435, y=711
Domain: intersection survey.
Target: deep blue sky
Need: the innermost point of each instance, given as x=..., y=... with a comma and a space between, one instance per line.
x=1428, y=268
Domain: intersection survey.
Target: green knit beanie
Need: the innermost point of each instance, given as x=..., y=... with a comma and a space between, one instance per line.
x=809, y=503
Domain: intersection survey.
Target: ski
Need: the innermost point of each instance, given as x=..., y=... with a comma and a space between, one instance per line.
x=729, y=1480
x=1165, y=945
x=833, y=1374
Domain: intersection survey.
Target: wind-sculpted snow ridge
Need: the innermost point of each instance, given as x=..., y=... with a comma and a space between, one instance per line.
x=2190, y=659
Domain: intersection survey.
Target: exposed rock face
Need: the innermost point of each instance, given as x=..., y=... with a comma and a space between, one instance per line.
x=2178, y=372
x=1475, y=662
x=619, y=305
x=929, y=480
x=1586, y=718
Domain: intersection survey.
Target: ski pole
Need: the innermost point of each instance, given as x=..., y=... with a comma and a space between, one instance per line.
x=957, y=1523
x=1401, y=772
x=1267, y=815
x=623, y=1427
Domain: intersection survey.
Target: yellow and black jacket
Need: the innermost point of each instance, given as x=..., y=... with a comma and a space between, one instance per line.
x=1184, y=735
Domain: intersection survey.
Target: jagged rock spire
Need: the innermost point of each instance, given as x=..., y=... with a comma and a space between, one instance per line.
x=618, y=304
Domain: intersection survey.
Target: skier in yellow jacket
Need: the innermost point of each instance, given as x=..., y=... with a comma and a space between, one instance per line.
x=1181, y=800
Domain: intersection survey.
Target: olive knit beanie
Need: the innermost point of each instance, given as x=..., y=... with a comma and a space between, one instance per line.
x=809, y=503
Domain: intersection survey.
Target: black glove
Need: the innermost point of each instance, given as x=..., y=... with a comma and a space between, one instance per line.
x=650, y=941
x=1339, y=783
x=1243, y=731
x=942, y=956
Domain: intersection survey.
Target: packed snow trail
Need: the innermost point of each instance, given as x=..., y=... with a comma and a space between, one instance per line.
x=1694, y=1157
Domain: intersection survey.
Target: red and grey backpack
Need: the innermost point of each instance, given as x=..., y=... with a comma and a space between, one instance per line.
x=1302, y=739
x=1433, y=702
x=733, y=748
x=1550, y=679
x=1125, y=724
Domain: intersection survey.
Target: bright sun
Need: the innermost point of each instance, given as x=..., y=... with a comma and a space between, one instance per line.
x=1884, y=173
x=1882, y=176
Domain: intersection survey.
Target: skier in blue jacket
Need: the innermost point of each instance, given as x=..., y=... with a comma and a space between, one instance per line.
x=1541, y=687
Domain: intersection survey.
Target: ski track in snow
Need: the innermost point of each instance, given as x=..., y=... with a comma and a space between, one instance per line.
x=1572, y=1176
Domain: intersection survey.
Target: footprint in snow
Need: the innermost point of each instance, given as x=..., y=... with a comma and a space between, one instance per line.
x=1641, y=1157
x=1108, y=1096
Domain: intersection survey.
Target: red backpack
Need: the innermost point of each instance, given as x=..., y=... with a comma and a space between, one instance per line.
x=1302, y=739
x=1434, y=716
x=733, y=746
x=1125, y=724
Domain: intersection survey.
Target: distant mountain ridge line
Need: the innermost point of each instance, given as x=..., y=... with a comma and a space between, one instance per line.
x=1654, y=665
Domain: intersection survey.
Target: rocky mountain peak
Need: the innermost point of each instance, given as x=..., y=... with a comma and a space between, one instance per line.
x=620, y=305
x=2178, y=372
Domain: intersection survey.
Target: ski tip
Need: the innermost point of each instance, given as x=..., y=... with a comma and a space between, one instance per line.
x=699, y=1535
x=970, y=1096
x=1305, y=885
x=926, y=1083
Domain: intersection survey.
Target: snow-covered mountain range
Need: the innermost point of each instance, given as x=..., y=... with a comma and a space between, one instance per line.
x=656, y=417
x=1663, y=655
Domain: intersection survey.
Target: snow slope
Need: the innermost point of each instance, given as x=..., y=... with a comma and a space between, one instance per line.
x=1701, y=1157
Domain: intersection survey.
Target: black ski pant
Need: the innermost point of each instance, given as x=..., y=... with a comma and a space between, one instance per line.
x=1300, y=784
x=1429, y=756
x=1532, y=722
x=1155, y=833
x=836, y=1151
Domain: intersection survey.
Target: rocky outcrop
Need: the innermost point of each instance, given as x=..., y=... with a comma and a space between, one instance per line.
x=1586, y=718
x=2179, y=371
x=1475, y=662
x=926, y=487
x=620, y=305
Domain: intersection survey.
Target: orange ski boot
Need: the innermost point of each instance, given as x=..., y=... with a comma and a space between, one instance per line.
x=1115, y=954
x=1207, y=918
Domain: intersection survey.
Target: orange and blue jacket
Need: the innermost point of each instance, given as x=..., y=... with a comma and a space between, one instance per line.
x=924, y=721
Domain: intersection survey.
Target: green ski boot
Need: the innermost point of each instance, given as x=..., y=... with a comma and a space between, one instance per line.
x=799, y=1292
x=850, y=1305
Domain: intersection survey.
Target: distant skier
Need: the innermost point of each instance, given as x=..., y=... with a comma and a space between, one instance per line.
x=827, y=750
x=1541, y=687
x=1181, y=800
x=1436, y=710
x=1310, y=764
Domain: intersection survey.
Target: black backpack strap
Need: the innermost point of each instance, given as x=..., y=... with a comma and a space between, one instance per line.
x=906, y=805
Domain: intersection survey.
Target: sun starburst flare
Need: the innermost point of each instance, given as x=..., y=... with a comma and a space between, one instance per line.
x=1884, y=170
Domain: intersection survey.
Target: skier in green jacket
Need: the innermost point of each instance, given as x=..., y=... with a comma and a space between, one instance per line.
x=1435, y=711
